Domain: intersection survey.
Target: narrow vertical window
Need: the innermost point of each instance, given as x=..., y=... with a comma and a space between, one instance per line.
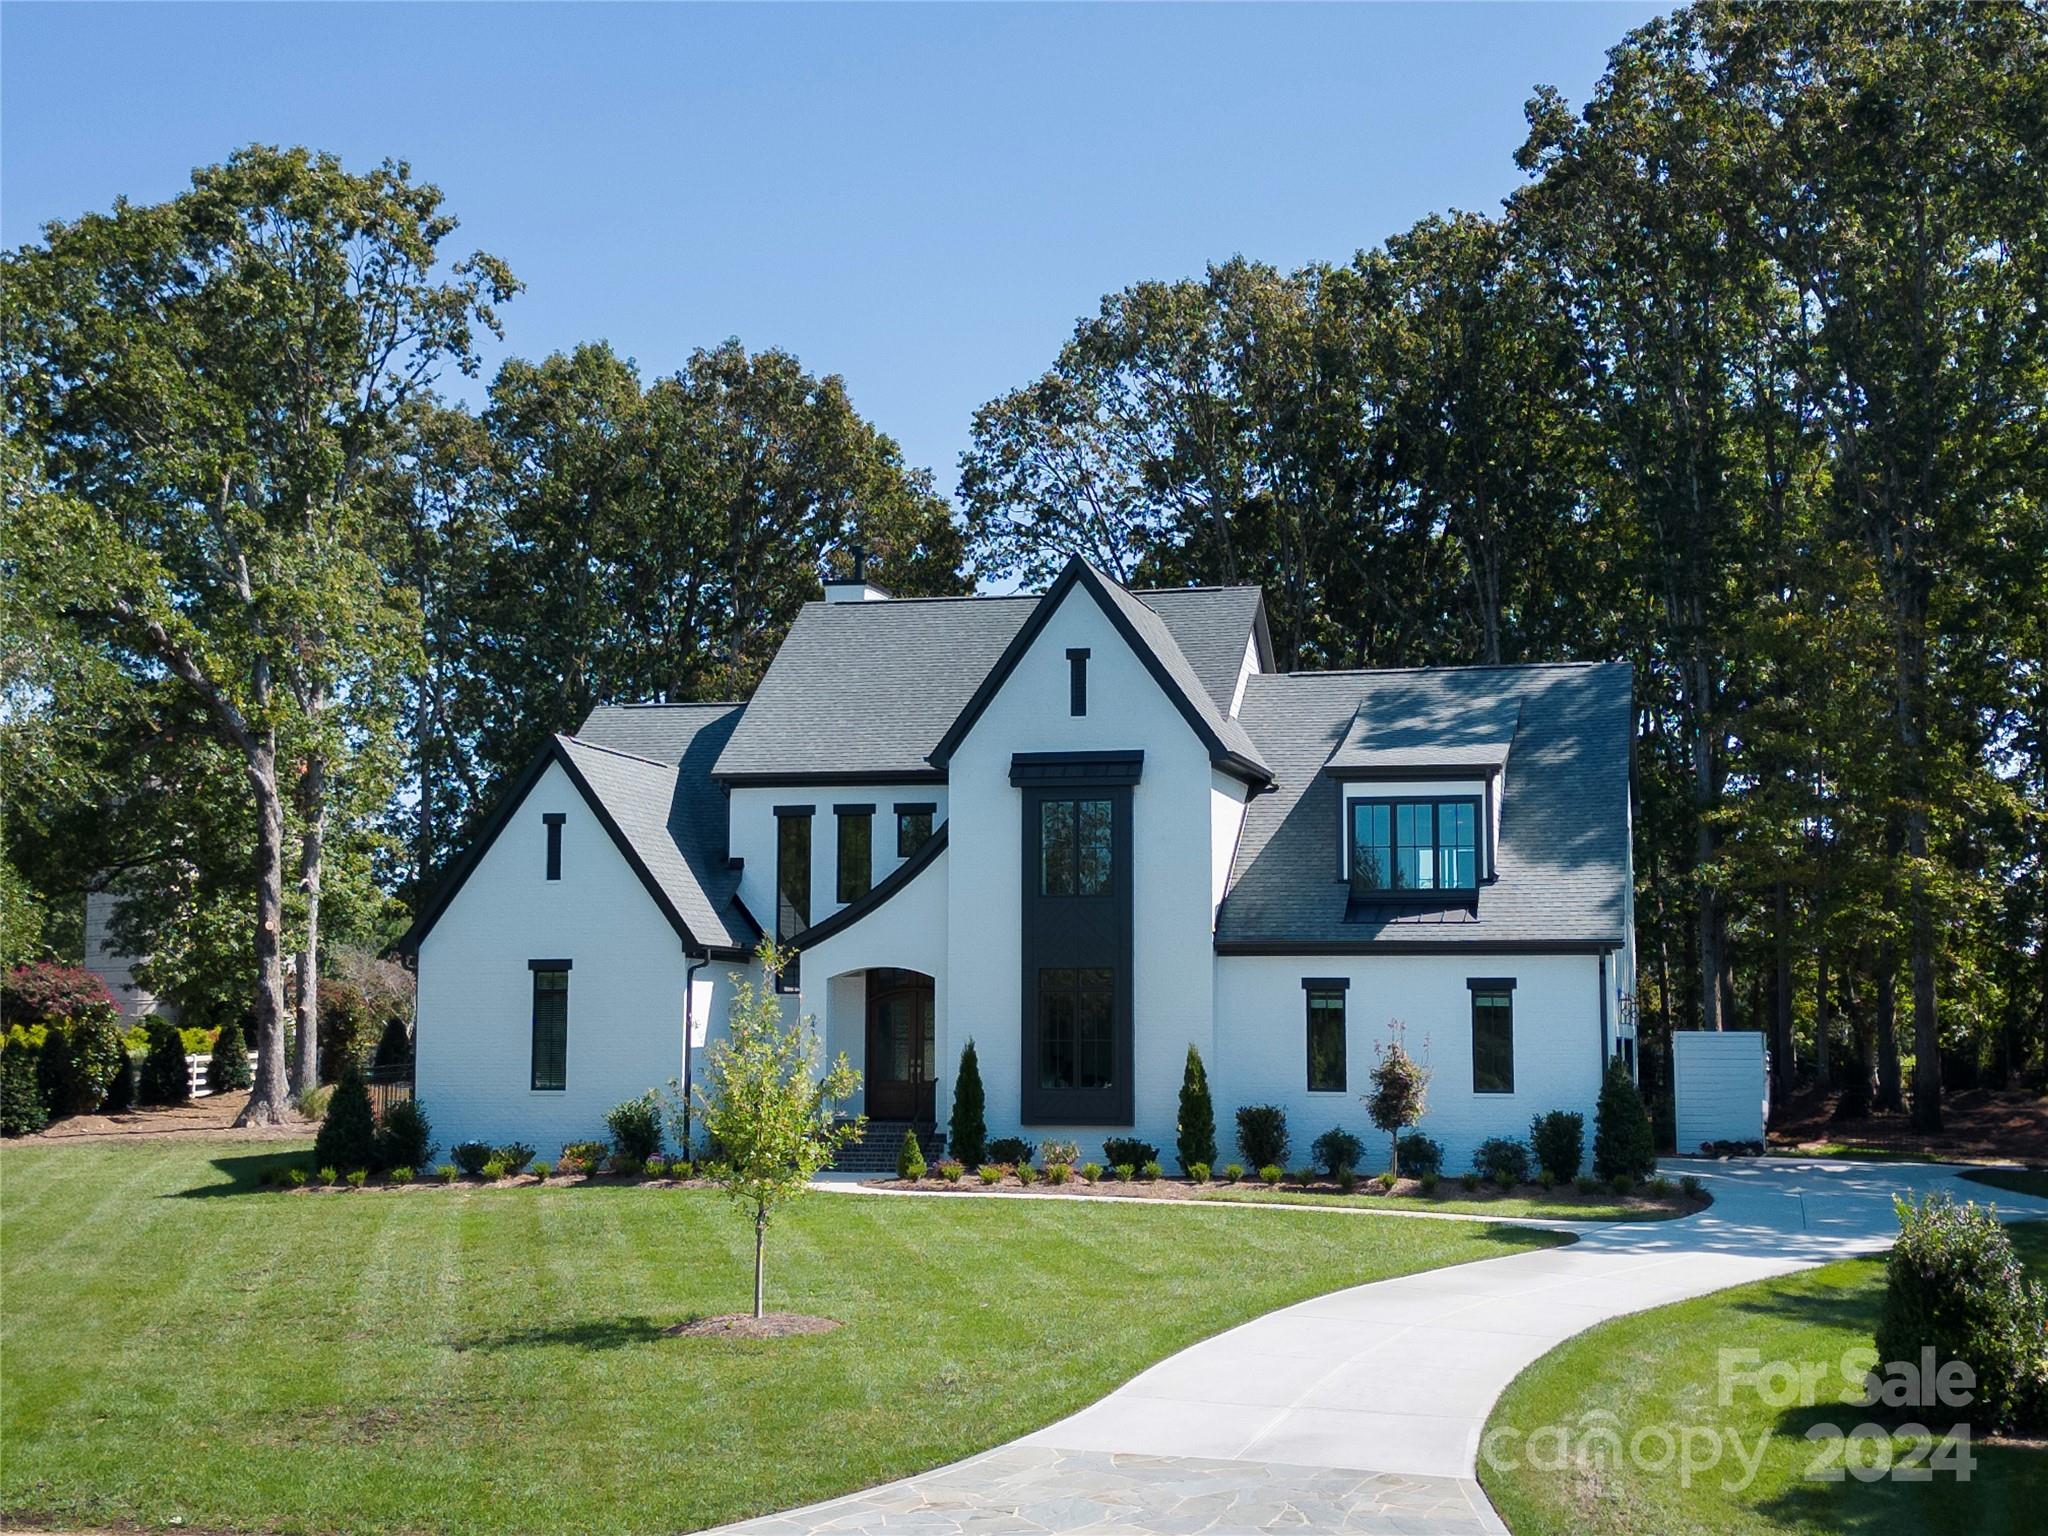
x=1328, y=1071
x=1493, y=1035
x=1074, y=848
x=1077, y=681
x=856, y=850
x=792, y=883
x=913, y=827
x=553, y=820
x=550, y=1023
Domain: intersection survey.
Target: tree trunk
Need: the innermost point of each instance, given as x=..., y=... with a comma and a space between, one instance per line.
x=1781, y=1001
x=760, y=1248
x=1926, y=1023
x=1823, y=1021
x=1711, y=965
x=270, y=1100
x=1889, y=1098
x=312, y=852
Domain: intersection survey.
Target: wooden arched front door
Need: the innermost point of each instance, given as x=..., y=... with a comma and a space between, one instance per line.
x=901, y=1059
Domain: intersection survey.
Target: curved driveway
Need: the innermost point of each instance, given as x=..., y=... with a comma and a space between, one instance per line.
x=1362, y=1410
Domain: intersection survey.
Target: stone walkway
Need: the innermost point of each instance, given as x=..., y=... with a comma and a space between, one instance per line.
x=1362, y=1410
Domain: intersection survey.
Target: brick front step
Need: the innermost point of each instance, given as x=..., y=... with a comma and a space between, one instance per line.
x=879, y=1145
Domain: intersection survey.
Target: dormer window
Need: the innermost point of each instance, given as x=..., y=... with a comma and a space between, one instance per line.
x=1407, y=847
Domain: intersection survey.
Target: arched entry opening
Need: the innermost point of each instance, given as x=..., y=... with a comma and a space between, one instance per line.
x=902, y=1059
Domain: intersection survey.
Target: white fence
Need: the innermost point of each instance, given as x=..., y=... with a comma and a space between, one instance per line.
x=1720, y=1086
x=195, y=1073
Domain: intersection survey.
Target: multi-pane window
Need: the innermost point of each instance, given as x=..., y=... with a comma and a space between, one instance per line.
x=1326, y=1064
x=792, y=883
x=1493, y=1037
x=551, y=1027
x=1076, y=1027
x=913, y=828
x=1073, y=848
x=1414, y=845
x=856, y=851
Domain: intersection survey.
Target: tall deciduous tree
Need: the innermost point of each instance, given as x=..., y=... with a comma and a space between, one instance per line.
x=208, y=380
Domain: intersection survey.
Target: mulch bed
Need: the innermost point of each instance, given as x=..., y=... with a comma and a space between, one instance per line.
x=744, y=1325
x=211, y=1118
x=1408, y=1193
x=1977, y=1123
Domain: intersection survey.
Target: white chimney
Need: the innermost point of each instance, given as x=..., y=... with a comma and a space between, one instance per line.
x=856, y=588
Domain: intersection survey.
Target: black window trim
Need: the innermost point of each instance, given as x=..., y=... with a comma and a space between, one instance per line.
x=1492, y=986
x=1482, y=860
x=553, y=821
x=790, y=979
x=841, y=814
x=1077, y=680
x=1313, y=987
x=538, y=968
x=929, y=809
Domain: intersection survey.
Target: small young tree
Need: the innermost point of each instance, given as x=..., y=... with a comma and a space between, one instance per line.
x=227, y=1069
x=772, y=1120
x=1400, y=1085
x=1195, y=1135
x=348, y=1135
x=968, y=1134
x=1622, y=1143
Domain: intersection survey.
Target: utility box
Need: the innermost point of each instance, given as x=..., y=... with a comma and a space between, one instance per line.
x=1720, y=1086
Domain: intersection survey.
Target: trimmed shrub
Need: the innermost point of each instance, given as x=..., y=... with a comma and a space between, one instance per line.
x=1559, y=1142
x=1503, y=1160
x=1421, y=1154
x=952, y=1170
x=394, y=1045
x=1058, y=1173
x=348, y=1029
x=449, y=1173
x=227, y=1068
x=1953, y=1285
x=470, y=1156
x=43, y=990
x=1232, y=1172
x=405, y=1137
x=1692, y=1186
x=327, y=1175
x=515, y=1155
x=635, y=1127
x=1010, y=1149
x=1151, y=1171
x=348, y=1136
x=120, y=1095
x=910, y=1158
x=680, y=1168
x=1426, y=1182
x=358, y=1177
x=164, y=1078
x=296, y=1177
x=1128, y=1149
x=1026, y=1174
x=1199, y=1172
x=1303, y=1175
x=1388, y=1180
x=1125, y=1172
x=1195, y=1133
x=967, y=1131
x=78, y=1060
x=1091, y=1173
x=655, y=1168
x=543, y=1169
x=402, y=1174
x=1622, y=1183
x=21, y=1100
x=1262, y=1134
x=991, y=1173
x=1337, y=1151
x=1348, y=1181
x=1660, y=1188
x=494, y=1170
x=1271, y=1174
x=1621, y=1128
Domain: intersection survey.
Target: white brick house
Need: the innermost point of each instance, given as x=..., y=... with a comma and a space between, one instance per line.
x=1086, y=829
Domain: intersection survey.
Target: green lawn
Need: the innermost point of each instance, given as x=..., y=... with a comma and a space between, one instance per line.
x=179, y=1346
x=2021, y=1181
x=1662, y=1368
x=1507, y=1207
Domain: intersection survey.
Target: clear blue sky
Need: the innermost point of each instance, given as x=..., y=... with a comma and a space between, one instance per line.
x=922, y=199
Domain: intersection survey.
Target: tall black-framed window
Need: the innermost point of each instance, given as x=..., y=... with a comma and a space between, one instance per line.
x=1414, y=846
x=792, y=884
x=553, y=820
x=550, y=1024
x=856, y=853
x=913, y=826
x=1077, y=922
x=1493, y=1034
x=1077, y=680
x=1327, y=1066
x=1076, y=855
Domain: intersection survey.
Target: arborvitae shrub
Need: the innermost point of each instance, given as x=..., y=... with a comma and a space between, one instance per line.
x=405, y=1137
x=910, y=1158
x=227, y=1069
x=164, y=1076
x=1262, y=1134
x=1621, y=1128
x=120, y=1094
x=21, y=1100
x=394, y=1046
x=78, y=1060
x=968, y=1132
x=348, y=1136
x=1195, y=1135
x=1559, y=1142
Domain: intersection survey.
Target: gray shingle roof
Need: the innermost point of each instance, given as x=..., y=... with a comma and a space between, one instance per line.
x=1152, y=629
x=668, y=808
x=870, y=688
x=1420, y=724
x=1563, y=849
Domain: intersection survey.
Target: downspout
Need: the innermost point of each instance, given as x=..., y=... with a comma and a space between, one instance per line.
x=689, y=1034
x=1603, y=1015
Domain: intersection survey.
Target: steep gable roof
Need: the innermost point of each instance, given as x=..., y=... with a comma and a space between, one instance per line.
x=1211, y=626
x=1145, y=631
x=1562, y=855
x=666, y=818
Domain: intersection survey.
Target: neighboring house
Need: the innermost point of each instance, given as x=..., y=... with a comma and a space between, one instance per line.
x=107, y=958
x=1087, y=830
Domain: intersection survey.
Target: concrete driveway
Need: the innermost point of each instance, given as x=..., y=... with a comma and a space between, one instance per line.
x=1362, y=1410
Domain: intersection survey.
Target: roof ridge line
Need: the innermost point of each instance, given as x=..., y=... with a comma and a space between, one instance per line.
x=631, y=757
x=674, y=704
x=1461, y=666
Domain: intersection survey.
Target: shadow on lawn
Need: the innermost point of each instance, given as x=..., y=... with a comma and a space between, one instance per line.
x=598, y=1333
x=244, y=1174
x=1848, y=1309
